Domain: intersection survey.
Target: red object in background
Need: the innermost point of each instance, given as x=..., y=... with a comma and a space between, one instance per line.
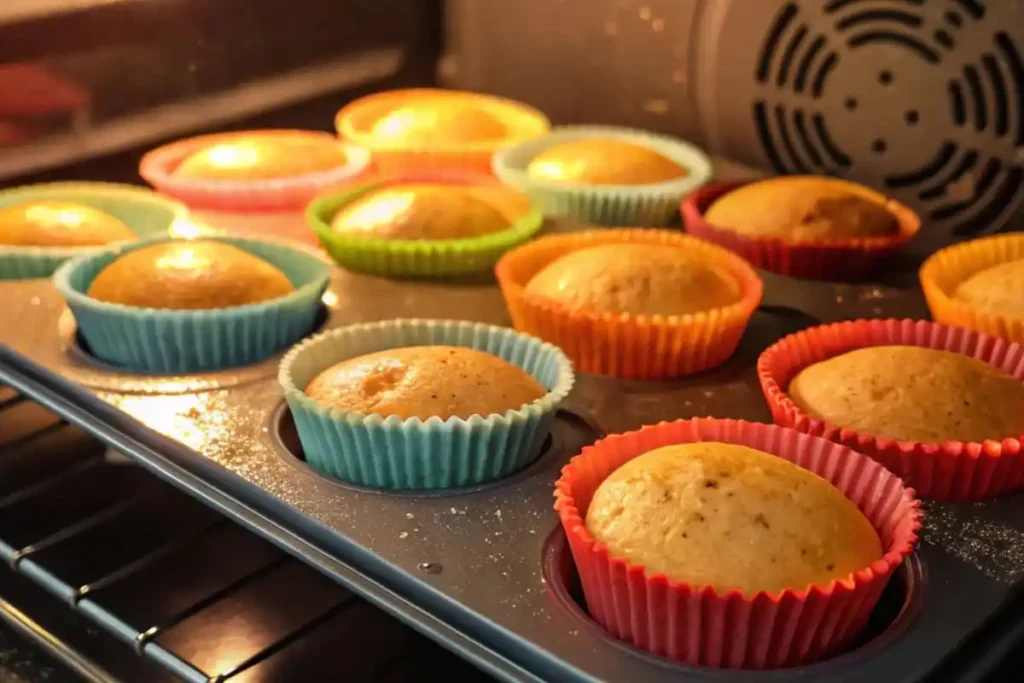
x=11, y=134
x=30, y=90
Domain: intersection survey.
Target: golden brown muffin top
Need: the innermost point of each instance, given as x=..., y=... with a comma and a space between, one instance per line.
x=911, y=393
x=189, y=275
x=262, y=157
x=600, y=161
x=639, y=279
x=426, y=381
x=804, y=208
x=55, y=223
x=999, y=290
x=420, y=211
x=438, y=119
x=731, y=517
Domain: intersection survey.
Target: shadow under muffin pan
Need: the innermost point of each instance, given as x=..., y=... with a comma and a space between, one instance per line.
x=482, y=569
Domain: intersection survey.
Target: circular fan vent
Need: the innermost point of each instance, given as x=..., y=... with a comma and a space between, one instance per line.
x=923, y=99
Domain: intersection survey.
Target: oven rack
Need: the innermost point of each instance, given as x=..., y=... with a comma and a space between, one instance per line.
x=195, y=595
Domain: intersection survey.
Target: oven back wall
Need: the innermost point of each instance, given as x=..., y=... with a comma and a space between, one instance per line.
x=924, y=100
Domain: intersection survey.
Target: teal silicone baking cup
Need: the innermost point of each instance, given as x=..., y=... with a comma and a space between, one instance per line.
x=144, y=211
x=414, y=258
x=652, y=205
x=392, y=453
x=156, y=340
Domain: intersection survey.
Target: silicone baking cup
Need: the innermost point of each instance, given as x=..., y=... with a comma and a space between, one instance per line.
x=849, y=259
x=184, y=341
x=268, y=206
x=946, y=269
x=702, y=626
x=619, y=344
x=422, y=258
x=145, y=212
x=949, y=471
x=355, y=122
x=391, y=453
x=656, y=204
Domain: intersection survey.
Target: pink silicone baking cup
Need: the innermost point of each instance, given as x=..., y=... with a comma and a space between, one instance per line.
x=954, y=470
x=247, y=196
x=843, y=259
x=702, y=626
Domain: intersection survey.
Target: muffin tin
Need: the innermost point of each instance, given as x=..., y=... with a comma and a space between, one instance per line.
x=486, y=569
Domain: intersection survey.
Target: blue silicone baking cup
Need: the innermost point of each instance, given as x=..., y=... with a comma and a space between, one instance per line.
x=157, y=340
x=147, y=213
x=391, y=453
x=653, y=205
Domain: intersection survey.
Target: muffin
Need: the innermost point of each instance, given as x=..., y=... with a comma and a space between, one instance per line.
x=910, y=393
x=732, y=544
x=977, y=285
x=423, y=404
x=423, y=225
x=438, y=121
x=998, y=290
x=597, y=161
x=419, y=211
x=804, y=209
x=59, y=223
x=189, y=275
x=262, y=157
x=639, y=279
x=804, y=226
x=254, y=183
x=425, y=129
x=633, y=304
x=730, y=517
x=426, y=381
x=190, y=306
x=604, y=174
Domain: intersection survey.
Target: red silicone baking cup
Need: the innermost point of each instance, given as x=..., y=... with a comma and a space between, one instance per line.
x=247, y=196
x=954, y=470
x=620, y=344
x=702, y=626
x=842, y=259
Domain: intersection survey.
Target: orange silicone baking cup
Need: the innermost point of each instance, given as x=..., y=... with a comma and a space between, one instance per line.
x=620, y=344
x=850, y=259
x=354, y=122
x=703, y=626
x=953, y=470
x=946, y=269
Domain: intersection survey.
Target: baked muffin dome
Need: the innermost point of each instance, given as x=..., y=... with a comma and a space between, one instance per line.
x=999, y=289
x=189, y=275
x=804, y=208
x=730, y=517
x=438, y=120
x=262, y=157
x=639, y=279
x=424, y=382
x=57, y=223
x=603, y=161
x=420, y=211
x=910, y=393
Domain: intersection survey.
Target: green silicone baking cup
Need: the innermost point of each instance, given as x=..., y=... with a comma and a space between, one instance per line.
x=144, y=211
x=178, y=341
x=392, y=453
x=413, y=258
x=651, y=205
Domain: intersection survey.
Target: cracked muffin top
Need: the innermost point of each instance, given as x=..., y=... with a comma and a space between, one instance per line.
x=910, y=393
x=730, y=517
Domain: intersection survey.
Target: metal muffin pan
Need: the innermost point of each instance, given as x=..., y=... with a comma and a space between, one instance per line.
x=485, y=570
